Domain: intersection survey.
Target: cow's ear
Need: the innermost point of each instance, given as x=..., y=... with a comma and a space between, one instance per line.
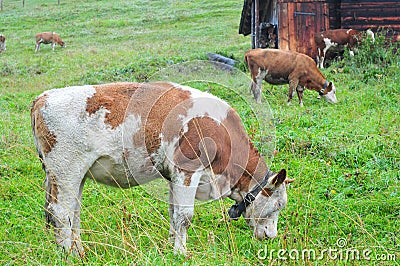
x=289, y=180
x=329, y=87
x=278, y=179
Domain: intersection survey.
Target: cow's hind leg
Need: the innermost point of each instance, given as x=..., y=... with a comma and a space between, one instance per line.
x=76, y=225
x=62, y=207
x=256, y=84
x=300, y=91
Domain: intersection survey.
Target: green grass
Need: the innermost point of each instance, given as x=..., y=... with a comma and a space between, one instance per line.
x=345, y=157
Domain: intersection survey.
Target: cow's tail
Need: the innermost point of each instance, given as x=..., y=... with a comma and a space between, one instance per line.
x=47, y=184
x=35, y=113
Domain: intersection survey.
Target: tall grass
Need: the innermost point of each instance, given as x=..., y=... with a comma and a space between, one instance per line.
x=345, y=157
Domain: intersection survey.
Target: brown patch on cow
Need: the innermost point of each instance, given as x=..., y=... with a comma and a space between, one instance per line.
x=223, y=147
x=187, y=181
x=115, y=98
x=46, y=139
x=155, y=103
x=206, y=143
x=160, y=113
x=51, y=189
x=54, y=190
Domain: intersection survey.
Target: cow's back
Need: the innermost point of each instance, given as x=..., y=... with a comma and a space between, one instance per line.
x=112, y=127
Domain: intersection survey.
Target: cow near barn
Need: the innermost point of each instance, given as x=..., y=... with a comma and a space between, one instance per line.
x=280, y=67
x=47, y=38
x=127, y=134
x=2, y=43
x=332, y=42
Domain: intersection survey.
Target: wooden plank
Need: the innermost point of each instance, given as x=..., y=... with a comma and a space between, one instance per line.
x=327, y=20
x=363, y=14
x=380, y=2
x=292, y=27
x=367, y=11
x=283, y=26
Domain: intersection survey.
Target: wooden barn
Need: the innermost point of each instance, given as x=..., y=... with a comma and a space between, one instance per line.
x=291, y=24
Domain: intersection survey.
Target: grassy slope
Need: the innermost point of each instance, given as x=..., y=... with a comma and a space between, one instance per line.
x=345, y=157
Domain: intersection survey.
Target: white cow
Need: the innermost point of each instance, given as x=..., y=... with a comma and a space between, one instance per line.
x=126, y=134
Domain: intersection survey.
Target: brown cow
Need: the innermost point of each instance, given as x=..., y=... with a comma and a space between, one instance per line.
x=2, y=43
x=280, y=67
x=340, y=38
x=47, y=38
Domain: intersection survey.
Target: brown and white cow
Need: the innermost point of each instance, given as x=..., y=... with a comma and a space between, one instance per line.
x=338, y=38
x=280, y=67
x=47, y=38
x=127, y=134
x=2, y=43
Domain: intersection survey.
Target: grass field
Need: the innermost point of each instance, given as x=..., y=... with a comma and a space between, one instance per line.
x=344, y=205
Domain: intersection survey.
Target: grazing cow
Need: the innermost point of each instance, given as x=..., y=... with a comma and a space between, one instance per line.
x=287, y=67
x=48, y=37
x=126, y=134
x=339, y=38
x=2, y=43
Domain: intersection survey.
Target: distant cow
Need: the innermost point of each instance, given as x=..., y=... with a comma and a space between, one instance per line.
x=2, y=43
x=47, y=38
x=339, y=38
x=127, y=134
x=287, y=67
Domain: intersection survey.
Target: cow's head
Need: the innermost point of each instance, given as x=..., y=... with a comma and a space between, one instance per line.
x=329, y=92
x=269, y=199
x=62, y=44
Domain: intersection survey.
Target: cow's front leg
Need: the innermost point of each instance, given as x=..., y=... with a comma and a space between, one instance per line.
x=181, y=208
x=181, y=213
x=256, y=84
x=255, y=88
x=300, y=91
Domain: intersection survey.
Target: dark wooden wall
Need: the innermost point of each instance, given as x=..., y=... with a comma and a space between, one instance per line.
x=299, y=20
x=373, y=14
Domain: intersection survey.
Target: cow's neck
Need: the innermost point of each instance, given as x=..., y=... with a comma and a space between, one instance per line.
x=322, y=91
x=254, y=174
